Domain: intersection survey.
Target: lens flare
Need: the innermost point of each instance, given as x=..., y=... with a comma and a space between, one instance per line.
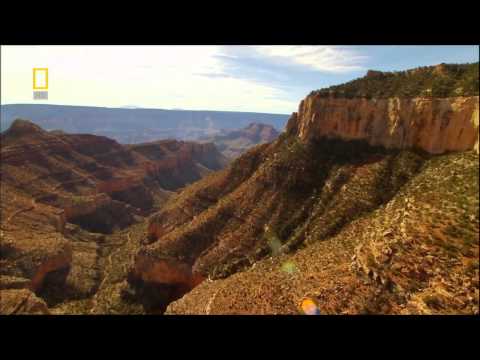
x=309, y=307
x=289, y=267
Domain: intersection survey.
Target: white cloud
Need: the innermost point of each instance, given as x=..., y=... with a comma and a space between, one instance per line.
x=144, y=76
x=321, y=58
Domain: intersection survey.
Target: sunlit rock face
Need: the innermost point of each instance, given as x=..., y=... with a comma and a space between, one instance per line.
x=436, y=125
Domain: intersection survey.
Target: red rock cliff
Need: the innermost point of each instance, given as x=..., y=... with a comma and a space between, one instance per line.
x=435, y=125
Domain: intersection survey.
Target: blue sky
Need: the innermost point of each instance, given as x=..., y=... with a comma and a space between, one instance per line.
x=239, y=78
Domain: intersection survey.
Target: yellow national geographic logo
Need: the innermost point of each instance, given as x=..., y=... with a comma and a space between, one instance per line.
x=40, y=84
x=40, y=79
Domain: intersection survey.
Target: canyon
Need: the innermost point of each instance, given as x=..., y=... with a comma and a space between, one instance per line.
x=363, y=205
x=64, y=195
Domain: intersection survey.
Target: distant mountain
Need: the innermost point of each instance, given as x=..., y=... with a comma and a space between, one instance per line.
x=130, y=126
x=233, y=143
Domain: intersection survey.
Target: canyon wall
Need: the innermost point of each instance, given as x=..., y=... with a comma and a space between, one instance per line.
x=436, y=125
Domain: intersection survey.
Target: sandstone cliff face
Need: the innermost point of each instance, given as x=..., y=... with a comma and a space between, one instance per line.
x=436, y=125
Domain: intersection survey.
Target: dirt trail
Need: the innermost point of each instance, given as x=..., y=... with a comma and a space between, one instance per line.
x=208, y=307
x=33, y=206
x=19, y=211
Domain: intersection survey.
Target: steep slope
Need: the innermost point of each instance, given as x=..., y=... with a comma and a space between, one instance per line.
x=416, y=254
x=263, y=205
x=61, y=192
x=311, y=193
x=233, y=143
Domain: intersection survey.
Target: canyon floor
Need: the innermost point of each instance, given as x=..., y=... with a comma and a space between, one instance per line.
x=115, y=256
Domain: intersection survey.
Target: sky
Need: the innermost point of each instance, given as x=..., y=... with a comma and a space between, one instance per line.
x=270, y=79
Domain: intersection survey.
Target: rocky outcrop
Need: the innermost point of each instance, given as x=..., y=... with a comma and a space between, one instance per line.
x=57, y=262
x=436, y=125
x=158, y=282
x=164, y=271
